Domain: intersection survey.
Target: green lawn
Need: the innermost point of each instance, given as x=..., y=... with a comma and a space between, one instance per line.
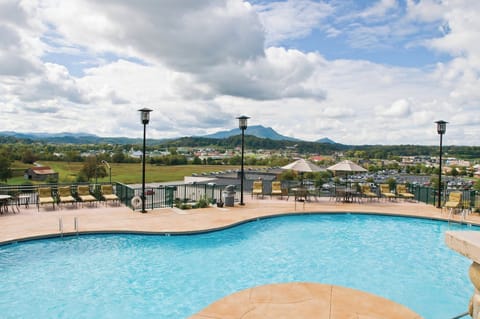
x=124, y=173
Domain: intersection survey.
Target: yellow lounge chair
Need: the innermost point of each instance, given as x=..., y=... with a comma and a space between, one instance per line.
x=45, y=197
x=367, y=192
x=83, y=192
x=385, y=191
x=257, y=188
x=402, y=192
x=277, y=189
x=65, y=195
x=454, y=202
x=107, y=193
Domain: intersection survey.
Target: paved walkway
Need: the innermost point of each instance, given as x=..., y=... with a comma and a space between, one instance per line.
x=30, y=223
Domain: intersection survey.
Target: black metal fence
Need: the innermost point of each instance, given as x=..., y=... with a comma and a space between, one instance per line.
x=428, y=195
x=169, y=195
x=155, y=197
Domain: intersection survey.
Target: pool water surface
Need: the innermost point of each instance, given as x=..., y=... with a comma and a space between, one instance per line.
x=145, y=276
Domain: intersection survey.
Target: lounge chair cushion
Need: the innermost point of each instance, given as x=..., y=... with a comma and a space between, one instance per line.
x=454, y=200
x=45, y=195
x=84, y=194
x=64, y=194
x=107, y=193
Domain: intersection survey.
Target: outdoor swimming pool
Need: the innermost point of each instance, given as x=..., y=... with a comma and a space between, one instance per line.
x=136, y=276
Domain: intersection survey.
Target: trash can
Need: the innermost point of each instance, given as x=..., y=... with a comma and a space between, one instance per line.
x=229, y=195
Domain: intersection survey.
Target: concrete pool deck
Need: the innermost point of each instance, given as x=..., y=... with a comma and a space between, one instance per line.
x=31, y=223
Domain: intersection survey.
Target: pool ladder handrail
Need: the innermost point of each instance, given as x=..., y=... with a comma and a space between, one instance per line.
x=461, y=315
x=60, y=226
x=75, y=224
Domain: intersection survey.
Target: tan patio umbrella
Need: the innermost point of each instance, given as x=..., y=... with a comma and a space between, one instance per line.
x=302, y=166
x=347, y=167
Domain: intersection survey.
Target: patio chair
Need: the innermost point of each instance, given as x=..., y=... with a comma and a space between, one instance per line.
x=65, y=195
x=45, y=197
x=403, y=193
x=366, y=191
x=257, y=188
x=386, y=193
x=107, y=194
x=277, y=189
x=83, y=192
x=453, y=203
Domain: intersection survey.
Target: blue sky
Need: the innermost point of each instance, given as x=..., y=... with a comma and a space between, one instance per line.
x=358, y=72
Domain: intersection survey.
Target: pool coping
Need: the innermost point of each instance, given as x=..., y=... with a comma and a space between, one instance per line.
x=258, y=214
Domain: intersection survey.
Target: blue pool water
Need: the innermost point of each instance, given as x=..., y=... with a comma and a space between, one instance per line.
x=134, y=276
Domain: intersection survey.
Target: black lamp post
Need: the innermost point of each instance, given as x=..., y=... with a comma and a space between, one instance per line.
x=104, y=162
x=145, y=118
x=441, y=128
x=242, y=124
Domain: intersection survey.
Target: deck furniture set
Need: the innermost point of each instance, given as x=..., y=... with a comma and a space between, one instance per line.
x=74, y=195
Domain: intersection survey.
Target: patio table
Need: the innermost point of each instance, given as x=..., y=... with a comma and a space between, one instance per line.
x=24, y=199
x=347, y=195
x=4, y=203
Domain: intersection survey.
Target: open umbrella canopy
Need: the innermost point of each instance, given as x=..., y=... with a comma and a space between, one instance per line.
x=346, y=166
x=302, y=165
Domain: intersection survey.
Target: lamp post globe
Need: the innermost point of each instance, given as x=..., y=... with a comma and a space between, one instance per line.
x=145, y=119
x=441, y=129
x=242, y=124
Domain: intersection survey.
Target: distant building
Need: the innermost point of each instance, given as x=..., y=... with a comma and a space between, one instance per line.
x=40, y=173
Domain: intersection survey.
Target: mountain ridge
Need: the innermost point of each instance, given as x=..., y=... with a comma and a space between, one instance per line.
x=262, y=132
x=259, y=131
x=255, y=130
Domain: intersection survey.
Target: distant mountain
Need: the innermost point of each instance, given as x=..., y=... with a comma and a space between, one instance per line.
x=258, y=131
x=45, y=135
x=325, y=140
x=255, y=130
x=76, y=138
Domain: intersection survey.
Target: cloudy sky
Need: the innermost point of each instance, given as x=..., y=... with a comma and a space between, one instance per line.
x=356, y=71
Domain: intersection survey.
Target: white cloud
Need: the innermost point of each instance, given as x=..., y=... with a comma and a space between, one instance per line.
x=379, y=9
x=291, y=19
x=189, y=35
x=199, y=64
x=398, y=109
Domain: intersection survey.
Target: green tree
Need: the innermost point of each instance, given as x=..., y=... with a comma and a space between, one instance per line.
x=391, y=182
x=92, y=169
x=197, y=161
x=28, y=157
x=5, y=167
x=118, y=156
x=454, y=172
x=72, y=156
x=288, y=175
x=476, y=186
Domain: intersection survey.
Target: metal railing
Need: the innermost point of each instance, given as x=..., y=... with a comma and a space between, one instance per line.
x=428, y=195
x=170, y=195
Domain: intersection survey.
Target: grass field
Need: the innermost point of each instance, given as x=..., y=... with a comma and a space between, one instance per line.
x=124, y=173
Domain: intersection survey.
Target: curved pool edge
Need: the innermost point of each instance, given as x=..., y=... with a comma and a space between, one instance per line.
x=305, y=300
x=168, y=222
